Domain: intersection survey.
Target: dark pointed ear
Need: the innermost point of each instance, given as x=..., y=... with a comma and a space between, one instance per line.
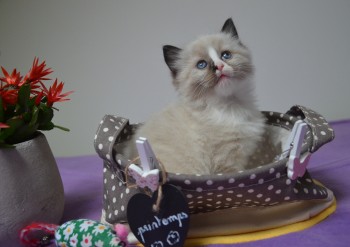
x=230, y=28
x=171, y=55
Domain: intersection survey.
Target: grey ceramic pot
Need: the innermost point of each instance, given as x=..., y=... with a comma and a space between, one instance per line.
x=30, y=188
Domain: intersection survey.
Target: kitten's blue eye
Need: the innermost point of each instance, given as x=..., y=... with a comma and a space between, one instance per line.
x=202, y=64
x=226, y=55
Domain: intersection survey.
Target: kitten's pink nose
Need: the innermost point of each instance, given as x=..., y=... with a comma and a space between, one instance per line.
x=219, y=66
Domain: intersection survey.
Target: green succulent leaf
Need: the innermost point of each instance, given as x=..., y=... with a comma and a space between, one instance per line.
x=35, y=115
x=15, y=123
x=47, y=126
x=24, y=97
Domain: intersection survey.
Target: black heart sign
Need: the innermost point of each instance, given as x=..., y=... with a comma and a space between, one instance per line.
x=166, y=227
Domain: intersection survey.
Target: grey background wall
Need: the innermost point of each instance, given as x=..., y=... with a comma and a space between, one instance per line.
x=109, y=53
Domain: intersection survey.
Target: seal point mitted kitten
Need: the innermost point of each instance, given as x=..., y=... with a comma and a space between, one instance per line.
x=214, y=126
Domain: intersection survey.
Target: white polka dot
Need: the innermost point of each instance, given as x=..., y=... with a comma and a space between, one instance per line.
x=241, y=185
x=112, y=176
x=239, y=195
x=105, y=129
x=261, y=181
x=199, y=189
x=105, y=180
x=219, y=195
x=278, y=192
x=113, y=188
x=296, y=191
x=119, y=162
x=323, y=133
x=278, y=175
x=267, y=199
x=315, y=191
x=121, y=196
x=272, y=170
x=189, y=196
x=95, y=137
x=116, y=212
x=250, y=191
x=308, y=180
x=306, y=191
x=253, y=176
x=114, y=200
x=209, y=182
x=110, y=138
x=104, y=170
x=127, y=191
x=287, y=198
x=122, y=208
x=187, y=182
x=231, y=180
x=108, y=156
x=270, y=187
x=259, y=195
x=110, y=216
x=288, y=181
x=228, y=199
x=220, y=188
x=230, y=191
x=100, y=146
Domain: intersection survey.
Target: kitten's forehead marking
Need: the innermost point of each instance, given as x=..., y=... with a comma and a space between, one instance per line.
x=214, y=56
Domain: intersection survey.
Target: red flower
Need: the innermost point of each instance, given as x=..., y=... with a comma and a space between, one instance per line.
x=8, y=96
x=3, y=126
x=13, y=80
x=54, y=94
x=37, y=72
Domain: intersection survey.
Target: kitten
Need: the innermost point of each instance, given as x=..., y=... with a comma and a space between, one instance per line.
x=215, y=126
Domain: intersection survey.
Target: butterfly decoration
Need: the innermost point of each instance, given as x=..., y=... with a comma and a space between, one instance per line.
x=143, y=178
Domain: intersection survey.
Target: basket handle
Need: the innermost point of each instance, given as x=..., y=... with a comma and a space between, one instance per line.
x=321, y=131
x=109, y=131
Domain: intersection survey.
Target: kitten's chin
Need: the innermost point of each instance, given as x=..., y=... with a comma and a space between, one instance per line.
x=224, y=87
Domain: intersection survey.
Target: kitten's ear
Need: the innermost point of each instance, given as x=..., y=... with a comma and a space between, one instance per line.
x=230, y=28
x=171, y=55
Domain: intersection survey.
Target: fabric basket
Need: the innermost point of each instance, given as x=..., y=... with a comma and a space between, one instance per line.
x=259, y=198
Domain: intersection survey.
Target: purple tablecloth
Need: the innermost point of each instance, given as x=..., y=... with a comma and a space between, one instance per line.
x=82, y=178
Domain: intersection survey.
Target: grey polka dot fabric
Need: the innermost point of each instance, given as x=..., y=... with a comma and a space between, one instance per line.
x=265, y=185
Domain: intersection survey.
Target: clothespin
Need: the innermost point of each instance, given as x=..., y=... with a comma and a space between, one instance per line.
x=147, y=175
x=147, y=156
x=297, y=163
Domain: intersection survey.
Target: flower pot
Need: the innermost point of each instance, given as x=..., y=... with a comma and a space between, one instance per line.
x=31, y=188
